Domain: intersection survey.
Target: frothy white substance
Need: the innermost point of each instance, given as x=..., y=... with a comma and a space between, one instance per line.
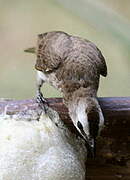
x=39, y=150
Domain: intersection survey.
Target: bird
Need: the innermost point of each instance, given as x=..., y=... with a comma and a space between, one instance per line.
x=73, y=65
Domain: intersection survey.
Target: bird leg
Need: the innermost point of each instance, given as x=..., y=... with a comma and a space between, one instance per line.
x=39, y=96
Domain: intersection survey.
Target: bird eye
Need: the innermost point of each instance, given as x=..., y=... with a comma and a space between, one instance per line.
x=79, y=125
x=40, y=46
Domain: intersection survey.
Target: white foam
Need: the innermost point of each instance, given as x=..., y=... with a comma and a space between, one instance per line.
x=39, y=150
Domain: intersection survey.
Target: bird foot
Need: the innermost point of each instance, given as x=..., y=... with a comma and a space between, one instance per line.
x=43, y=103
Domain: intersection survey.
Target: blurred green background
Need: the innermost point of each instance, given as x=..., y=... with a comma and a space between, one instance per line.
x=105, y=22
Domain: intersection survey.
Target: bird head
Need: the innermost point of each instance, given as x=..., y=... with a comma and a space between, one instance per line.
x=88, y=120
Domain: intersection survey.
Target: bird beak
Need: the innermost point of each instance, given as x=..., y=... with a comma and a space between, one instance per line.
x=90, y=142
x=31, y=50
x=91, y=146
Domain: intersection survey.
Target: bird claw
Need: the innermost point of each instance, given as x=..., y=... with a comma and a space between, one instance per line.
x=41, y=99
x=42, y=102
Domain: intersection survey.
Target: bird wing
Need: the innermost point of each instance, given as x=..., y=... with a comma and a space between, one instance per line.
x=87, y=52
x=96, y=56
x=102, y=66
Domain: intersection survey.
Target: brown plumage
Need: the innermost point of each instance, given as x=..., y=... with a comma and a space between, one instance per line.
x=73, y=65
